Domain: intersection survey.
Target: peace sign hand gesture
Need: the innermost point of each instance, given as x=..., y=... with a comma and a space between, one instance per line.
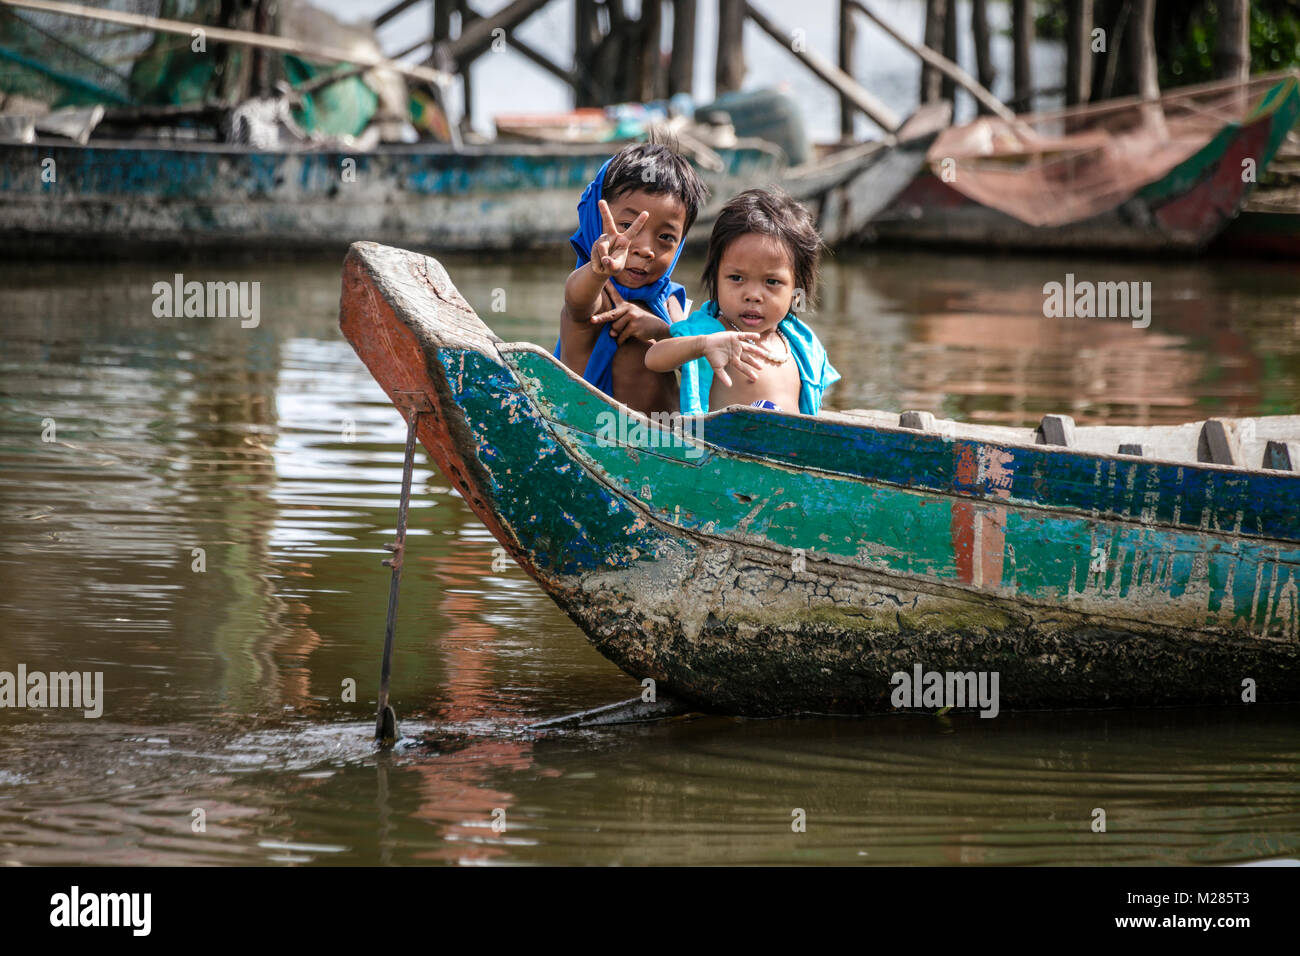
x=609, y=251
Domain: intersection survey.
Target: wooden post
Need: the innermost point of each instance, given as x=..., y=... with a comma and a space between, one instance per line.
x=441, y=10
x=940, y=63
x=947, y=88
x=649, y=85
x=1114, y=71
x=979, y=25
x=264, y=23
x=932, y=79
x=876, y=111
x=611, y=54
x=467, y=117
x=586, y=34
x=477, y=35
x=1232, y=47
x=236, y=61
x=400, y=7
x=1144, y=64
x=1022, y=38
x=681, y=68
x=729, y=72
x=847, y=37
x=1078, y=52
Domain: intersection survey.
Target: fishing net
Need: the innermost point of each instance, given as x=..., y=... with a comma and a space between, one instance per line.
x=1052, y=169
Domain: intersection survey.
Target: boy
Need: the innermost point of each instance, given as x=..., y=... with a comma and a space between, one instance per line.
x=633, y=219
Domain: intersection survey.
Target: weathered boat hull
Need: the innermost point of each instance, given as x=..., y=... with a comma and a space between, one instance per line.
x=787, y=564
x=128, y=199
x=1263, y=233
x=1183, y=211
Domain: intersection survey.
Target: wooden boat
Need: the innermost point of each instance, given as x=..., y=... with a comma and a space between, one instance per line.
x=755, y=562
x=121, y=198
x=1114, y=177
x=1269, y=222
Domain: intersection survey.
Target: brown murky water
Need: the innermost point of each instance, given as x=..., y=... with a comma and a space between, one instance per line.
x=272, y=451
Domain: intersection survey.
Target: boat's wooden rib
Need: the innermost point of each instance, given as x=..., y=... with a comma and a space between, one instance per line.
x=776, y=563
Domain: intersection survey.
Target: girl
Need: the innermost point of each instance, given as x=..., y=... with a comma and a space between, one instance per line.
x=762, y=261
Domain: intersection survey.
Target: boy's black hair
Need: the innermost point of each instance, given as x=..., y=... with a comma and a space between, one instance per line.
x=657, y=168
x=769, y=212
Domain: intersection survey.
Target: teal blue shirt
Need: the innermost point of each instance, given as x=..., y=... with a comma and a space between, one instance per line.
x=815, y=371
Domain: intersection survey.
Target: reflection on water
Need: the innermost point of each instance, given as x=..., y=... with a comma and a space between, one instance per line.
x=205, y=525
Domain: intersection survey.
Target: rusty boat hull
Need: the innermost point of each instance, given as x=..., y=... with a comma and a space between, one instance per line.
x=764, y=563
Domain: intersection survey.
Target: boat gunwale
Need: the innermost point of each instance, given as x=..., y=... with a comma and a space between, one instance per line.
x=859, y=422
x=800, y=421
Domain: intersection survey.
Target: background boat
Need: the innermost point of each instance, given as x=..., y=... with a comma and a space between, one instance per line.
x=1128, y=175
x=1269, y=221
x=776, y=563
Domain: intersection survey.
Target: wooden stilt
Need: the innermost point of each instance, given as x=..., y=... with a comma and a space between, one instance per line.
x=586, y=34
x=979, y=25
x=1022, y=39
x=940, y=63
x=847, y=38
x=729, y=71
x=1232, y=45
x=681, y=68
x=1143, y=50
x=649, y=83
x=1078, y=52
x=931, y=79
x=875, y=110
x=947, y=88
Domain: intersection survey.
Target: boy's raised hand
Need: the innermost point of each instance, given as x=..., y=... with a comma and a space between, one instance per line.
x=737, y=349
x=609, y=251
x=627, y=320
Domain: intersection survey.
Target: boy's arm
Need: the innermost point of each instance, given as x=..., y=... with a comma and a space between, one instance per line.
x=582, y=293
x=583, y=297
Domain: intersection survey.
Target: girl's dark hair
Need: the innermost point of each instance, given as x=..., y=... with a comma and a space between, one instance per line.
x=769, y=212
x=656, y=168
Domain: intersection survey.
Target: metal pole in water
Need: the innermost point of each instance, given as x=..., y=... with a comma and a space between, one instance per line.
x=386, y=720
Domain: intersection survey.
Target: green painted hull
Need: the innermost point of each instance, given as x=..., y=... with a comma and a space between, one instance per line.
x=774, y=563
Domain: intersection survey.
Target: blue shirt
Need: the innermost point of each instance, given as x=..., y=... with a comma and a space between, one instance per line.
x=816, y=373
